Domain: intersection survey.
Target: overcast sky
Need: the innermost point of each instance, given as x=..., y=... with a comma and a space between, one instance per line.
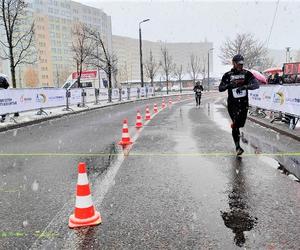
x=194, y=21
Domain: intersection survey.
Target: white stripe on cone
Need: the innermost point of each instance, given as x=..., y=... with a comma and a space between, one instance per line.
x=84, y=201
x=125, y=135
x=82, y=179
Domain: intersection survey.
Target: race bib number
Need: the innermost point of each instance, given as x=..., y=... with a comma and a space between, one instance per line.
x=239, y=94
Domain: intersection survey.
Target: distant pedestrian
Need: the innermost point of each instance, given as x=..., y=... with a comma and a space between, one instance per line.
x=238, y=81
x=198, y=92
x=3, y=85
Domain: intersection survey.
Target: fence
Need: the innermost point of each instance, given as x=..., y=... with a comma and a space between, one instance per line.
x=22, y=100
x=283, y=99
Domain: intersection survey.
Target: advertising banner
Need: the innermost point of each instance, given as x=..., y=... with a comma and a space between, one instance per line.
x=103, y=94
x=115, y=94
x=142, y=92
x=14, y=100
x=133, y=92
x=48, y=98
x=277, y=98
x=150, y=91
x=75, y=96
x=124, y=93
x=90, y=95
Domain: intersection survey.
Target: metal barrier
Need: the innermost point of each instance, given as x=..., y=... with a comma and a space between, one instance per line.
x=24, y=100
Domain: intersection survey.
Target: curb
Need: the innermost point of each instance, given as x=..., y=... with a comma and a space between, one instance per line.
x=270, y=126
x=37, y=121
x=279, y=130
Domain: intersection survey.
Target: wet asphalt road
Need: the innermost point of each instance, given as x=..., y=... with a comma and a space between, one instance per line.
x=164, y=195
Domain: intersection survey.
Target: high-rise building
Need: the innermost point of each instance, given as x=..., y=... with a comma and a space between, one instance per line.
x=127, y=52
x=54, y=21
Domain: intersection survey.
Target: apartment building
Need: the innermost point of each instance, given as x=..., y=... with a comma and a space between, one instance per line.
x=127, y=52
x=54, y=22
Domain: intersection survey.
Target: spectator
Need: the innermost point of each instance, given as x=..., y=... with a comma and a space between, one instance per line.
x=3, y=85
x=276, y=79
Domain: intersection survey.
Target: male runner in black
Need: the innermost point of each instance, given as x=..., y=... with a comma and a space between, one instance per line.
x=238, y=81
x=198, y=92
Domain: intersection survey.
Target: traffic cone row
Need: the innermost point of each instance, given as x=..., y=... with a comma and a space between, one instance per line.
x=85, y=213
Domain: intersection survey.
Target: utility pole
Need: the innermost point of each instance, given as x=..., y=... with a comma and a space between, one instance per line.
x=208, y=68
x=141, y=53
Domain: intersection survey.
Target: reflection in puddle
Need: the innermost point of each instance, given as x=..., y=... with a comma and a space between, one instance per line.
x=257, y=143
x=290, y=164
x=238, y=218
x=96, y=165
x=212, y=111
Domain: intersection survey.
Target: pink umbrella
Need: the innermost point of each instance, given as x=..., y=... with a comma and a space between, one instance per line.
x=273, y=71
x=259, y=76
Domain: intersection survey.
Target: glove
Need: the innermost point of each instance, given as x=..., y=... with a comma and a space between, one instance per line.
x=232, y=85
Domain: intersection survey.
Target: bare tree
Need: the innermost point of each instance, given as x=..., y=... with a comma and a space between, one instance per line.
x=103, y=59
x=167, y=65
x=194, y=67
x=82, y=47
x=151, y=67
x=19, y=37
x=178, y=73
x=253, y=50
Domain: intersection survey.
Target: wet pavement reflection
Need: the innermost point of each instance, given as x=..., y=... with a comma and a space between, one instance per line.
x=238, y=218
x=259, y=141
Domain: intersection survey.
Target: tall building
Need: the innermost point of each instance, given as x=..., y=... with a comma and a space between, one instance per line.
x=54, y=22
x=127, y=52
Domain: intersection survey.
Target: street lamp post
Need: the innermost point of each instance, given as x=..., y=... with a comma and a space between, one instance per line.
x=141, y=56
x=287, y=54
x=208, y=67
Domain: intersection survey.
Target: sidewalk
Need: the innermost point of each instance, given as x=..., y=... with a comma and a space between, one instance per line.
x=31, y=117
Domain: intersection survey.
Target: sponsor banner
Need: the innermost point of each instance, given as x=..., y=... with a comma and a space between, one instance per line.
x=90, y=95
x=19, y=100
x=151, y=91
x=115, y=94
x=133, y=92
x=15, y=100
x=124, y=93
x=103, y=94
x=75, y=96
x=142, y=91
x=48, y=98
x=277, y=98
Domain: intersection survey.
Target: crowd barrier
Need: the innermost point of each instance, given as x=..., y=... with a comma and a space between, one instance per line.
x=22, y=100
x=278, y=98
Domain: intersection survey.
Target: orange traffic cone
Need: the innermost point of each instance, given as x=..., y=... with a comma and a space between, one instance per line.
x=148, y=115
x=125, y=135
x=85, y=213
x=139, y=123
x=155, y=109
x=163, y=105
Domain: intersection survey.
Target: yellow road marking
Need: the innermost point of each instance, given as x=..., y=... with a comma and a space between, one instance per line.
x=192, y=154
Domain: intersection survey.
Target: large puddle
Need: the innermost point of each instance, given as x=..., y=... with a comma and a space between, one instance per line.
x=280, y=156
